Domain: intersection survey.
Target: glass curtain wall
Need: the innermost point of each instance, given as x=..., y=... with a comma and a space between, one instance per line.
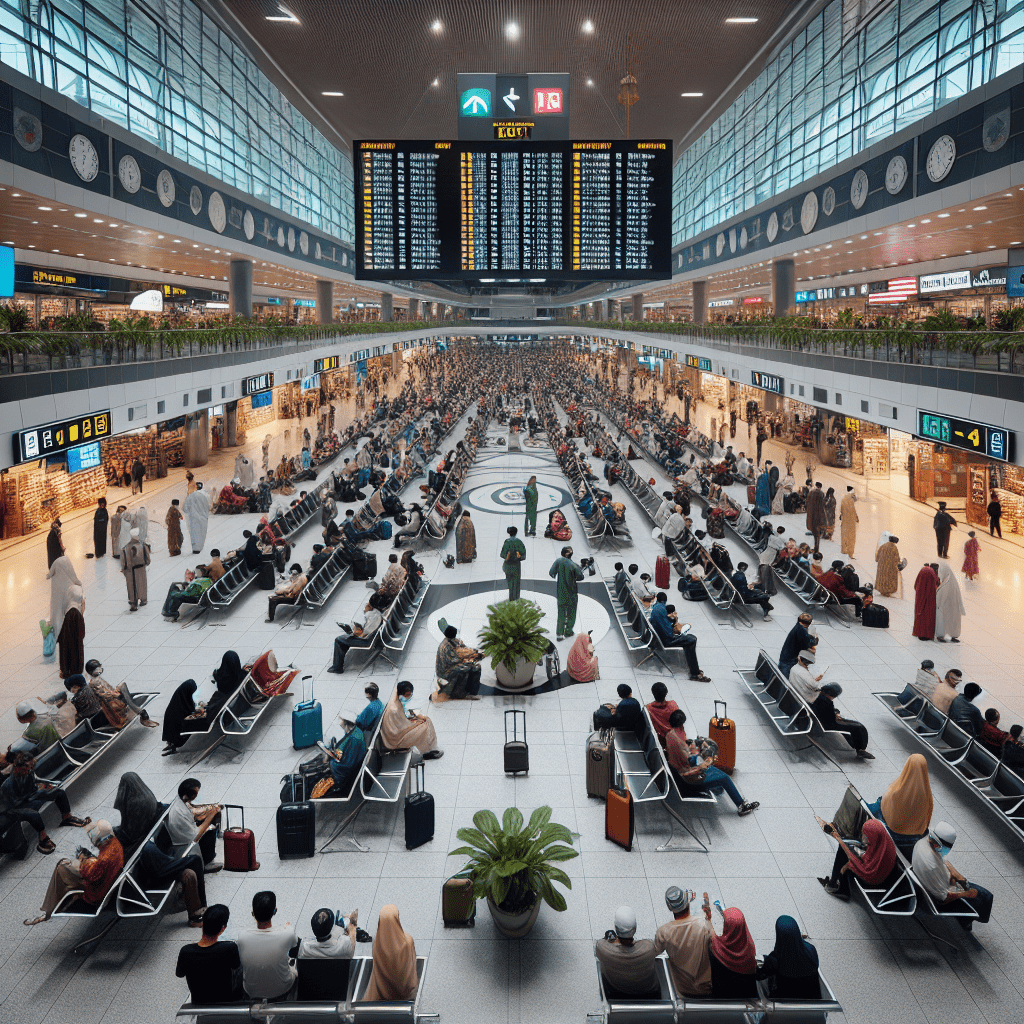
x=167, y=73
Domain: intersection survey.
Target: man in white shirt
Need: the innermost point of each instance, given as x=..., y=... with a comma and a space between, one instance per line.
x=804, y=681
x=943, y=882
x=265, y=952
x=355, y=635
x=187, y=825
x=674, y=527
x=330, y=941
x=665, y=509
x=925, y=682
x=743, y=466
x=766, y=559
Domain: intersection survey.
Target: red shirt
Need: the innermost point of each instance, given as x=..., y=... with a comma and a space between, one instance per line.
x=833, y=582
x=660, y=713
x=99, y=873
x=993, y=737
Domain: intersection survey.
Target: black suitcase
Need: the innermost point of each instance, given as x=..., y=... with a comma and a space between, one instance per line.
x=296, y=830
x=365, y=568
x=419, y=812
x=875, y=616
x=267, y=578
x=517, y=753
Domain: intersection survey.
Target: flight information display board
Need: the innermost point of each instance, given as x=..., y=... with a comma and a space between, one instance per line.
x=466, y=210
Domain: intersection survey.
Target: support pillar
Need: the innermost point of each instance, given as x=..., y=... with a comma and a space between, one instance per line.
x=386, y=307
x=638, y=306
x=604, y=309
x=196, y=438
x=700, y=302
x=414, y=309
x=325, y=302
x=239, y=291
x=230, y=424
x=784, y=287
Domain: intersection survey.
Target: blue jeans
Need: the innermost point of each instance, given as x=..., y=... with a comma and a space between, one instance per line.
x=716, y=779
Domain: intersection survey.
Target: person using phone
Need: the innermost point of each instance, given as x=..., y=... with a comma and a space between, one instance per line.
x=687, y=940
x=334, y=937
x=873, y=866
x=944, y=883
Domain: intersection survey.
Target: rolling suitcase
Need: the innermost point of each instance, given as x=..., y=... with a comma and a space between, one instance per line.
x=307, y=719
x=239, y=844
x=516, y=752
x=600, y=763
x=751, y=494
x=662, y=572
x=458, y=908
x=723, y=731
x=365, y=567
x=618, y=818
x=875, y=616
x=419, y=812
x=296, y=830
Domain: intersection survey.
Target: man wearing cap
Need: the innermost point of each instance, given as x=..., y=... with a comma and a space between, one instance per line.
x=41, y=729
x=803, y=679
x=627, y=965
x=942, y=524
x=942, y=881
x=687, y=939
x=800, y=638
x=833, y=582
x=824, y=710
x=331, y=940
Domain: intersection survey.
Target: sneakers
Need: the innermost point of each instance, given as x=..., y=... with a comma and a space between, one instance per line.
x=865, y=755
x=767, y=618
x=834, y=890
x=433, y=755
x=748, y=806
x=213, y=867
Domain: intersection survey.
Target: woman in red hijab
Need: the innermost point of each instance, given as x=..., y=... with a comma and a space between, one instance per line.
x=925, y=586
x=733, y=962
x=873, y=867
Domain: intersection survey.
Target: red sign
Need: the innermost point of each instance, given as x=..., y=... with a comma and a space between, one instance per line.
x=547, y=101
x=752, y=299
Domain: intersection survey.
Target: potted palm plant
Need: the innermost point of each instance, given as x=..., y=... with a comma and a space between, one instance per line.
x=514, y=640
x=513, y=866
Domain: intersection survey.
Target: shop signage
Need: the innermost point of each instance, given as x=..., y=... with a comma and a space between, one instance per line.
x=39, y=442
x=852, y=425
x=262, y=399
x=804, y=297
x=817, y=295
x=179, y=293
x=85, y=456
x=307, y=303
x=56, y=282
x=699, y=363
x=6, y=272
x=992, y=442
x=955, y=281
x=311, y=383
x=752, y=300
x=767, y=382
x=899, y=289
x=272, y=301
x=719, y=303
x=258, y=382
x=327, y=363
x=990, y=277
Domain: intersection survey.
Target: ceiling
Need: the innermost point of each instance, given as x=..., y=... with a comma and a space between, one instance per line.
x=396, y=61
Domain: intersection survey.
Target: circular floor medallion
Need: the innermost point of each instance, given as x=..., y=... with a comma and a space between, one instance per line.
x=504, y=499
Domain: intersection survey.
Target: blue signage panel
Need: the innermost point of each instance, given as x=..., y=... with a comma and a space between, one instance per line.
x=767, y=382
x=86, y=456
x=699, y=363
x=992, y=442
x=262, y=399
x=6, y=272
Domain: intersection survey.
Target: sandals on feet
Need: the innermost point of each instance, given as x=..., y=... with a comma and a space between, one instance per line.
x=700, y=678
x=30, y=921
x=71, y=820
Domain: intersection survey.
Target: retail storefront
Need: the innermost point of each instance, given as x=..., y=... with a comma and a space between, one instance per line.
x=969, y=293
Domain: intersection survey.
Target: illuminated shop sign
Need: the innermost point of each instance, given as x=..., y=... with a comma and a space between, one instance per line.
x=718, y=303
x=955, y=281
x=327, y=363
x=261, y=399
x=58, y=437
x=992, y=442
x=311, y=383
x=767, y=382
x=752, y=300
x=258, y=382
x=699, y=363
x=85, y=456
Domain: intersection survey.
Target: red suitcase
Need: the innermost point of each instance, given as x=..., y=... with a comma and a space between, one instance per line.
x=618, y=818
x=239, y=844
x=751, y=494
x=723, y=731
x=662, y=572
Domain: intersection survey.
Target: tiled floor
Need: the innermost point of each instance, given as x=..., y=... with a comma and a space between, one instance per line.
x=765, y=863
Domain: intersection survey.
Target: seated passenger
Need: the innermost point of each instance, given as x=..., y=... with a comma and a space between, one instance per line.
x=195, y=585
x=733, y=958
x=824, y=710
x=792, y=966
x=687, y=940
x=963, y=711
x=581, y=663
x=873, y=866
x=209, y=965
x=158, y=868
x=139, y=809
x=22, y=796
x=457, y=668
x=318, y=559
x=93, y=875
x=42, y=729
x=400, y=730
x=833, y=582
x=691, y=584
x=394, y=974
x=661, y=710
x=288, y=592
x=346, y=757
x=332, y=938
x=391, y=583
x=557, y=528
x=803, y=679
x=750, y=595
x=672, y=633
x=925, y=682
x=627, y=965
x=265, y=952
x=190, y=823
x=1005, y=745
x=83, y=698
x=906, y=806
x=944, y=883
x=695, y=773
x=369, y=716
x=356, y=635
x=944, y=694
x=626, y=714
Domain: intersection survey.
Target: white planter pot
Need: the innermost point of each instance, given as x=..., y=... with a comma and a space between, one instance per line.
x=514, y=926
x=518, y=680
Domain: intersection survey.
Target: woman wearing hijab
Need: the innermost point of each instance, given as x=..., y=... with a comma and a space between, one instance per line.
x=925, y=586
x=139, y=810
x=906, y=807
x=63, y=579
x=887, y=576
x=733, y=963
x=949, y=606
x=792, y=964
x=394, y=960
x=873, y=867
x=830, y=513
x=71, y=638
x=465, y=539
x=268, y=680
x=178, y=717
x=582, y=661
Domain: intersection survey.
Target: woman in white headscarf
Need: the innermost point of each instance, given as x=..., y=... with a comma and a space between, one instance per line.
x=949, y=606
x=62, y=577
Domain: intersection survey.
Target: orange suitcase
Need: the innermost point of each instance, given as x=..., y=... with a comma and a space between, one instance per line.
x=618, y=818
x=723, y=731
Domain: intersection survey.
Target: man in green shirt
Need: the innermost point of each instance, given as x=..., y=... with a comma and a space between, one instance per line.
x=532, y=496
x=195, y=585
x=568, y=574
x=513, y=551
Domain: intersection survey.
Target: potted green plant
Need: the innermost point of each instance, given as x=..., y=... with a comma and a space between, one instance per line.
x=513, y=866
x=514, y=640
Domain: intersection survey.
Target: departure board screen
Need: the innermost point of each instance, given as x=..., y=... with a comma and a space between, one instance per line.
x=466, y=210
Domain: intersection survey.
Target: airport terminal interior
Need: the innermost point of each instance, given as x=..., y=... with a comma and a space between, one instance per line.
x=550, y=545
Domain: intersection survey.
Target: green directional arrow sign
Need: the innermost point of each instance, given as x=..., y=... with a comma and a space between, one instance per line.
x=475, y=103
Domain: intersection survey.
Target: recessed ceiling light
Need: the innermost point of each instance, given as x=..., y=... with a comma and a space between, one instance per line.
x=332, y=94
x=691, y=95
x=55, y=250
x=973, y=207
x=17, y=195
x=113, y=225
x=44, y=207
x=926, y=220
x=79, y=253
x=436, y=82
x=512, y=30
x=81, y=215
x=588, y=26
x=285, y=15
x=437, y=25
x=96, y=220
x=943, y=215
x=740, y=21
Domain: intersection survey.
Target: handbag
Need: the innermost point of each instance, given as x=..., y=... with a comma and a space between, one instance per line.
x=49, y=644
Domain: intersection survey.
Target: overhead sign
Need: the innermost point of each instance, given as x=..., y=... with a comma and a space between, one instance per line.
x=327, y=363
x=307, y=303
x=258, y=382
x=511, y=108
x=753, y=300
x=719, y=303
x=992, y=442
x=85, y=456
x=767, y=382
x=311, y=383
x=699, y=363
x=262, y=399
x=6, y=272
x=945, y=282
x=990, y=277
x=39, y=442
x=475, y=103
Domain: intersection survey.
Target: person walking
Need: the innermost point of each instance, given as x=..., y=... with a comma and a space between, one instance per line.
x=849, y=520
x=816, y=522
x=134, y=559
x=513, y=552
x=995, y=513
x=970, y=567
x=197, y=514
x=942, y=524
x=567, y=574
x=138, y=474
x=173, y=523
x=532, y=496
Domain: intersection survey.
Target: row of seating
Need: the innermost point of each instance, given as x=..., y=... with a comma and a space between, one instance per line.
x=326, y=990
x=671, y=1007
x=686, y=552
x=596, y=525
x=637, y=632
x=985, y=775
x=451, y=487
x=790, y=713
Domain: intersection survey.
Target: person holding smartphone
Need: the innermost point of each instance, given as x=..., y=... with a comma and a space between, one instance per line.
x=687, y=940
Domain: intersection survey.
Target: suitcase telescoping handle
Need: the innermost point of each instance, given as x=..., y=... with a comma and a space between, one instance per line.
x=417, y=780
x=513, y=712
x=233, y=807
x=304, y=678
x=725, y=709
